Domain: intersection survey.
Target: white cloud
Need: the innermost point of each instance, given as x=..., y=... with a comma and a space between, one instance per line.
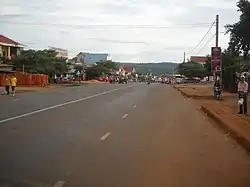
x=86, y=26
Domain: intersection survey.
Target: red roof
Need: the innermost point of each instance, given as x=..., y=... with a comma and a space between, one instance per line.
x=128, y=69
x=198, y=59
x=5, y=40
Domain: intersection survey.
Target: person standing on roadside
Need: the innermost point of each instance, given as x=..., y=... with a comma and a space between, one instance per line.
x=13, y=83
x=7, y=84
x=243, y=92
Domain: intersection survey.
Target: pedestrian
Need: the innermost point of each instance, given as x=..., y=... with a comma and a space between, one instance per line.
x=13, y=83
x=7, y=84
x=243, y=93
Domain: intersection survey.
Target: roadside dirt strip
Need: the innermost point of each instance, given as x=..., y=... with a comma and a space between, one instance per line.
x=223, y=112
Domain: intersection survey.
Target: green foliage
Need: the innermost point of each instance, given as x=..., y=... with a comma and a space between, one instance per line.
x=78, y=68
x=192, y=69
x=230, y=65
x=236, y=57
x=142, y=78
x=40, y=62
x=110, y=65
x=104, y=67
x=239, y=32
x=207, y=65
x=155, y=68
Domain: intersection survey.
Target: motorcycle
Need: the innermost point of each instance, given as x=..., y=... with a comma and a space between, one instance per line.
x=217, y=92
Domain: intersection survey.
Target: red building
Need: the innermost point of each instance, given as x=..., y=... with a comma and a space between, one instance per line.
x=9, y=48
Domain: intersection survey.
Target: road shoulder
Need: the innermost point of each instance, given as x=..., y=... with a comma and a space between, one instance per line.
x=223, y=112
x=51, y=87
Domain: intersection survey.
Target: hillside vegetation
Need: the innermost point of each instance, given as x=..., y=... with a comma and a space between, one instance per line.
x=155, y=68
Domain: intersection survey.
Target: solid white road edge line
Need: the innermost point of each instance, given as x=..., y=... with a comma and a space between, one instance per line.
x=105, y=136
x=63, y=104
x=59, y=184
x=124, y=116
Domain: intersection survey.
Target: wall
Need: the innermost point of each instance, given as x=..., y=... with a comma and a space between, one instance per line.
x=26, y=79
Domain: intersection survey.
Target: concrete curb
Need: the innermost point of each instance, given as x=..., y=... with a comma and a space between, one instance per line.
x=241, y=139
x=183, y=93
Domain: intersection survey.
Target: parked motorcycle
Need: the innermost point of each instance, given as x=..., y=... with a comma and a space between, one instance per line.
x=217, y=92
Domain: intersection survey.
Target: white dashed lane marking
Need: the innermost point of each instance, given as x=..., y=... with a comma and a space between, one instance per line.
x=105, y=136
x=64, y=104
x=59, y=184
x=134, y=106
x=124, y=116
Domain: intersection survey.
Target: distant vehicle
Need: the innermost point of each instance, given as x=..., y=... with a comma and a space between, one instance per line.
x=111, y=80
x=191, y=80
x=178, y=80
x=123, y=80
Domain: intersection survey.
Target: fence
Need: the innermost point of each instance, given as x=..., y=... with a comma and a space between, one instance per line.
x=26, y=79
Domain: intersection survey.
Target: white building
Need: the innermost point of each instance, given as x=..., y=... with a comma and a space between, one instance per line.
x=60, y=52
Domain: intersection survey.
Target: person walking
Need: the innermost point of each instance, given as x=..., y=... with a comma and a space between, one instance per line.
x=7, y=84
x=13, y=83
x=243, y=93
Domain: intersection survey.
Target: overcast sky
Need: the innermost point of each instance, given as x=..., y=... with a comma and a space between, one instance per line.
x=129, y=30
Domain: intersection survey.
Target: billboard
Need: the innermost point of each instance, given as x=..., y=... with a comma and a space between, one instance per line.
x=215, y=59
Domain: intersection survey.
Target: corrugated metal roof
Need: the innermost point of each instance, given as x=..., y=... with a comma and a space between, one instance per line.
x=6, y=40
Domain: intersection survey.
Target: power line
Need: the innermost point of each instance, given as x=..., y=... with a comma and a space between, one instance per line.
x=87, y=26
x=206, y=44
x=204, y=37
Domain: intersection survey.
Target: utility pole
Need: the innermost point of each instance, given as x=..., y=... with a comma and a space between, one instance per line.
x=217, y=45
x=217, y=31
x=184, y=58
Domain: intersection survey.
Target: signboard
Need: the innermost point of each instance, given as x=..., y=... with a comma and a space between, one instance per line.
x=215, y=59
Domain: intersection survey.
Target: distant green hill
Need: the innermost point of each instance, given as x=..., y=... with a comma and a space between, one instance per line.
x=155, y=68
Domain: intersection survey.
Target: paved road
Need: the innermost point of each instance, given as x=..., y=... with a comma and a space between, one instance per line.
x=115, y=135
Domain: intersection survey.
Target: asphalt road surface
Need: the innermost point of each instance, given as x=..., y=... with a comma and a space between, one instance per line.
x=115, y=136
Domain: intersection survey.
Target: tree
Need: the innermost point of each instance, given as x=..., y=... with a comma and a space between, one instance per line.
x=192, y=69
x=110, y=65
x=239, y=32
x=40, y=62
x=236, y=57
x=78, y=68
x=103, y=67
x=207, y=65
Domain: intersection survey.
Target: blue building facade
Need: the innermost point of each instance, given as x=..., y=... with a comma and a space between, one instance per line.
x=91, y=58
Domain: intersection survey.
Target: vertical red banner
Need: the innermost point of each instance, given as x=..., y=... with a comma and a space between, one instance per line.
x=215, y=59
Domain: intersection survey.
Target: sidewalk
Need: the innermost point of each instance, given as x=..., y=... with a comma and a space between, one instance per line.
x=223, y=111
